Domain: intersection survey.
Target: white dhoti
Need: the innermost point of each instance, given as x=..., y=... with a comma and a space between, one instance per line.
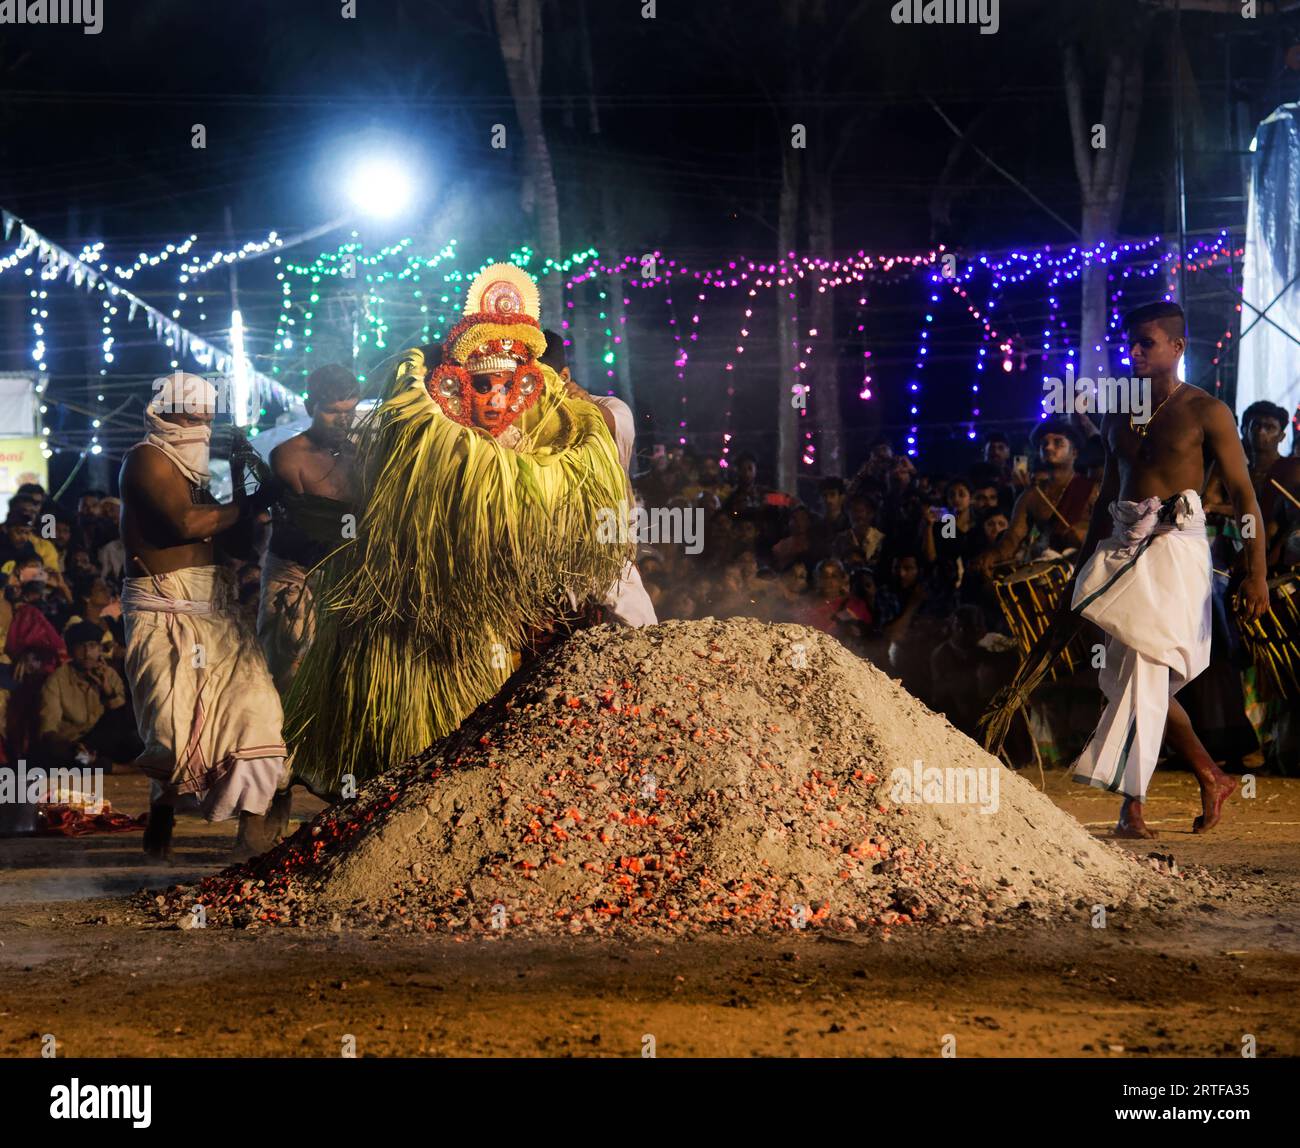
x=1149, y=587
x=205, y=704
x=286, y=619
x=628, y=600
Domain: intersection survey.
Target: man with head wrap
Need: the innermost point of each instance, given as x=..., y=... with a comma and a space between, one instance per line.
x=205, y=705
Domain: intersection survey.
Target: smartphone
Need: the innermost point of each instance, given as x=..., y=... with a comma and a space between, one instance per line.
x=1020, y=464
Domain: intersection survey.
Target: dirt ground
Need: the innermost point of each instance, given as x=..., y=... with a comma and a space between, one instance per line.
x=1193, y=985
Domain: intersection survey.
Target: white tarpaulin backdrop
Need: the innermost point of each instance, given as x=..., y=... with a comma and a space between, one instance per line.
x=1269, y=362
x=17, y=404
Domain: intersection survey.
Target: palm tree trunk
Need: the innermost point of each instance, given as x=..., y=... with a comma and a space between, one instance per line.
x=519, y=30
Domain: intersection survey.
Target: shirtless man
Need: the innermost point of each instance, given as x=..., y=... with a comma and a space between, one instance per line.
x=1059, y=509
x=311, y=517
x=1264, y=427
x=1148, y=584
x=205, y=706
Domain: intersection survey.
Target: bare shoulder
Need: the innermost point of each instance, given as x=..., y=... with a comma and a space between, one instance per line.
x=1211, y=412
x=143, y=463
x=286, y=459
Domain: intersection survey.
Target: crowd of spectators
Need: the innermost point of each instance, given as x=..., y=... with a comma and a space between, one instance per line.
x=888, y=561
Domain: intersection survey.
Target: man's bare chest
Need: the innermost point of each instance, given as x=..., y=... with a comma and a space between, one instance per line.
x=324, y=473
x=1175, y=441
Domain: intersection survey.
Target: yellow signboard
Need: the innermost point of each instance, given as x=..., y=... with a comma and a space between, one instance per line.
x=21, y=461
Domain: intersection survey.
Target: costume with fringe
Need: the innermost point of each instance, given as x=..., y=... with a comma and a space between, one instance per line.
x=467, y=539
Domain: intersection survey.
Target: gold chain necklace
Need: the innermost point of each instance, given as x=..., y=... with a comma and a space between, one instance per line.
x=1141, y=428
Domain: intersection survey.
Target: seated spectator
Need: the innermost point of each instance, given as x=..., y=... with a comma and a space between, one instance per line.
x=802, y=543
x=911, y=614
x=20, y=543
x=862, y=533
x=949, y=533
x=34, y=650
x=791, y=588
x=112, y=553
x=748, y=494
x=95, y=528
x=994, y=524
x=754, y=505
x=834, y=518
x=985, y=496
x=731, y=597
x=93, y=602
x=997, y=452
x=832, y=609
x=77, y=563
x=45, y=590
x=36, y=492
x=62, y=541
x=84, y=717
x=874, y=470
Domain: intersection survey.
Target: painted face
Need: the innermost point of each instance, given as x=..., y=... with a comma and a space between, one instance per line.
x=488, y=399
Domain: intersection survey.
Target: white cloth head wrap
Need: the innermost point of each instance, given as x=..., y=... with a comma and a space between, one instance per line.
x=187, y=447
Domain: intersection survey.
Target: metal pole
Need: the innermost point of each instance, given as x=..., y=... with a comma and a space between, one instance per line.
x=1179, y=158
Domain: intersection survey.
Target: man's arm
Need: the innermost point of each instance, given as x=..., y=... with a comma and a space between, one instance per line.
x=112, y=690
x=151, y=480
x=1225, y=444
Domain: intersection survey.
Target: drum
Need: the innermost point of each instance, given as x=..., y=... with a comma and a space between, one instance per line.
x=1274, y=640
x=1028, y=597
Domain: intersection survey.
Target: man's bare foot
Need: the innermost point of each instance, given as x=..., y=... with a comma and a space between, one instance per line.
x=158, y=833
x=1212, y=798
x=1130, y=824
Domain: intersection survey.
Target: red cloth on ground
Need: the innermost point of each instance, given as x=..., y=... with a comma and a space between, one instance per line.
x=64, y=821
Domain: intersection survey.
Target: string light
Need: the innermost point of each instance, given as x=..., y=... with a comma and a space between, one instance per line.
x=401, y=292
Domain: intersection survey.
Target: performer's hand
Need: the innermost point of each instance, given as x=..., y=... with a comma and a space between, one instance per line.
x=1252, y=598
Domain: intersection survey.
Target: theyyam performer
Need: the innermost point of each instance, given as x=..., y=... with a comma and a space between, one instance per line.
x=1144, y=573
x=205, y=706
x=482, y=485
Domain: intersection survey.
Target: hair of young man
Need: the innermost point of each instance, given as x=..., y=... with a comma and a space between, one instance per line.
x=1169, y=316
x=556, y=355
x=332, y=383
x=1264, y=410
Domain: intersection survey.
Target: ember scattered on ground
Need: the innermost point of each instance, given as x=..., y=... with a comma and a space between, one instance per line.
x=727, y=776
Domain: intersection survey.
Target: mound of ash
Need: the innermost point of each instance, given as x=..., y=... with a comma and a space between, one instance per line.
x=724, y=776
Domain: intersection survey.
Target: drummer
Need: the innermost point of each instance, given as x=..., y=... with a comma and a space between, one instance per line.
x=1276, y=481
x=1054, y=513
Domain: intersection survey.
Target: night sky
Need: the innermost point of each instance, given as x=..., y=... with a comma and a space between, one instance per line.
x=666, y=133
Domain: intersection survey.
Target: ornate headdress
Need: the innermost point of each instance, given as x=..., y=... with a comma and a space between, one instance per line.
x=501, y=334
